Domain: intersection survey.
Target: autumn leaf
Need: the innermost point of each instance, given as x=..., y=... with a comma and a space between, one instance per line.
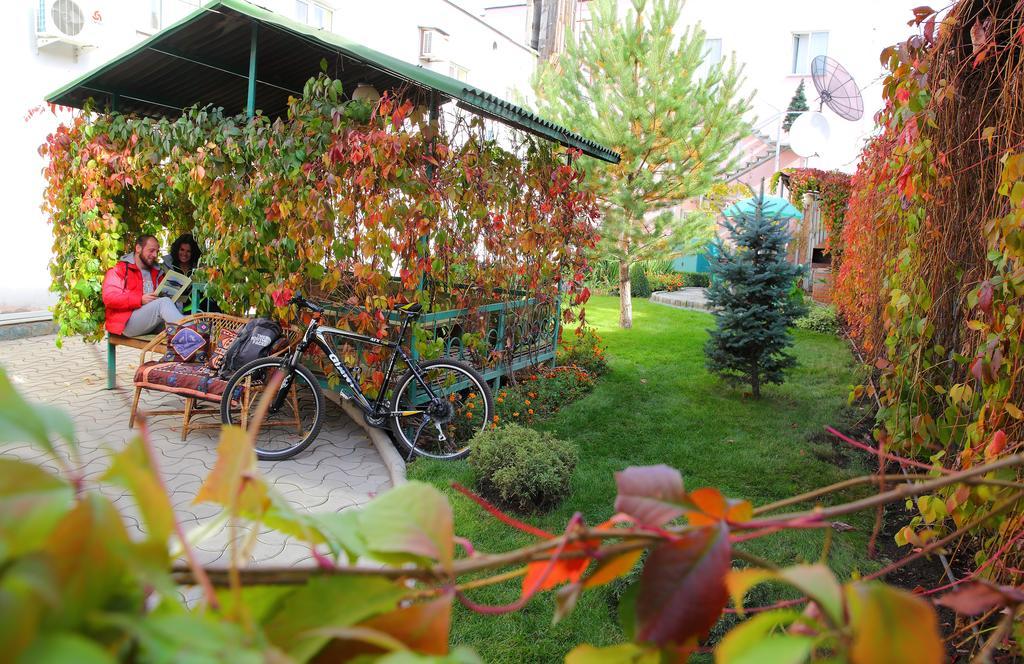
x=982, y=39
x=234, y=482
x=921, y=13
x=682, y=588
x=652, y=495
x=978, y=597
x=281, y=296
x=564, y=570
x=422, y=627
x=711, y=506
x=891, y=625
x=996, y=445
x=905, y=181
x=929, y=30
x=612, y=568
x=409, y=522
x=985, y=297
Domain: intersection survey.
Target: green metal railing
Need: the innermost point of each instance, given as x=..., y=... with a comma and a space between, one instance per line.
x=516, y=334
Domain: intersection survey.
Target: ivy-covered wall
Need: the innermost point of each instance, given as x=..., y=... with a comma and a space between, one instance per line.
x=932, y=281
x=369, y=207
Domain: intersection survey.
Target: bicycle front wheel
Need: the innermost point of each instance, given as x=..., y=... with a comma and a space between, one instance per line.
x=441, y=428
x=286, y=431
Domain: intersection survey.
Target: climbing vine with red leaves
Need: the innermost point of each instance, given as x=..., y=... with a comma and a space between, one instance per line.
x=832, y=189
x=369, y=208
x=931, y=283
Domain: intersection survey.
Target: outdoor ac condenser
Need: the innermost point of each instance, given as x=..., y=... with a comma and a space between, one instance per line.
x=66, y=22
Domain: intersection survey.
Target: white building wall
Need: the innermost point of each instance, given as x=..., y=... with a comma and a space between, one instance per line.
x=761, y=35
x=488, y=59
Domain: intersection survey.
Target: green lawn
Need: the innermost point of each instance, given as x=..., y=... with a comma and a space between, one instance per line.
x=657, y=404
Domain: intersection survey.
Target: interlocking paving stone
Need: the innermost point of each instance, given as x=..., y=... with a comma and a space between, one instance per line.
x=341, y=470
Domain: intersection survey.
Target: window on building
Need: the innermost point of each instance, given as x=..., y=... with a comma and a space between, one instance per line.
x=314, y=14
x=712, y=56
x=806, y=47
x=458, y=72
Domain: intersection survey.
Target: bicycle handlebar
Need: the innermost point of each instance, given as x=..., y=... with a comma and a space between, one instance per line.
x=304, y=303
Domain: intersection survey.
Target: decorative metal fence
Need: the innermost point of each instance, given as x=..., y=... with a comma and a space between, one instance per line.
x=497, y=339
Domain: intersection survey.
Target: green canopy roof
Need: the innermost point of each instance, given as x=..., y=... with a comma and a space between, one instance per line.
x=206, y=58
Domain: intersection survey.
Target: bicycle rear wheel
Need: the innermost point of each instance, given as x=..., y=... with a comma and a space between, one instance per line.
x=289, y=430
x=443, y=428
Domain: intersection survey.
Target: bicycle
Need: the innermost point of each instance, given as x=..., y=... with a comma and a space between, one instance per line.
x=434, y=410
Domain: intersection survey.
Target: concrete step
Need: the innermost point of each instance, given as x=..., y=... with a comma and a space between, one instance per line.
x=687, y=298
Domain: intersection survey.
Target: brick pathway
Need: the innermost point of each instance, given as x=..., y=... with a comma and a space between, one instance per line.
x=341, y=469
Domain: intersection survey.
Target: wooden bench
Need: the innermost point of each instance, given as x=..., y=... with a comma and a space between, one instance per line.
x=115, y=340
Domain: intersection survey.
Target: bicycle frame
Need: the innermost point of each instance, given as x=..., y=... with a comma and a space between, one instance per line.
x=315, y=335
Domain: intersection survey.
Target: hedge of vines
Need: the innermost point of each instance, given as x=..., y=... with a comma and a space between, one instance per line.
x=932, y=284
x=367, y=206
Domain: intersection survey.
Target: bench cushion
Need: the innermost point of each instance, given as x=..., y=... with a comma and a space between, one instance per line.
x=189, y=378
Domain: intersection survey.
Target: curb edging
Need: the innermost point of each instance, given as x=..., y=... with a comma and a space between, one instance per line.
x=393, y=461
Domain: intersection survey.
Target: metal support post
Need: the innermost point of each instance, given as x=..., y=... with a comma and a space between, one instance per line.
x=250, y=102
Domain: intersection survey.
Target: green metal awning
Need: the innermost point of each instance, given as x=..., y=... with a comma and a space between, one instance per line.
x=235, y=55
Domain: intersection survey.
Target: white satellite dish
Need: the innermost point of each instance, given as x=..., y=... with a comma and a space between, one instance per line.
x=809, y=134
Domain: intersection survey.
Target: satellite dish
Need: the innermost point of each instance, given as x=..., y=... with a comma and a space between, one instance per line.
x=836, y=88
x=809, y=134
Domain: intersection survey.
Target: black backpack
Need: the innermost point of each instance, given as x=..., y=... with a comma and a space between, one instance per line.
x=254, y=340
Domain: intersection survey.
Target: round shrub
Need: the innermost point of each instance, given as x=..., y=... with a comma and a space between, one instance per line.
x=522, y=469
x=819, y=319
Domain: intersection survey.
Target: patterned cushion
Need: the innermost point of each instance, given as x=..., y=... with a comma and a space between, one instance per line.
x=220, y=349
x=188, y=378
x=188, y=342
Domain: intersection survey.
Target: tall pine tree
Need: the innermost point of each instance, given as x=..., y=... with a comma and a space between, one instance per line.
x=750, y=298
x=632, y=83
x=797, y=105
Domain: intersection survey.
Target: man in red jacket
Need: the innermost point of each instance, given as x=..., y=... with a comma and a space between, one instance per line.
x=128, y=293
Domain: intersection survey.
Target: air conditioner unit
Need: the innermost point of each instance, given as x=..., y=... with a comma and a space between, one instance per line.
x=433, y=44
x=66, y=22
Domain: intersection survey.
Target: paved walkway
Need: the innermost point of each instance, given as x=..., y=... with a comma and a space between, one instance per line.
x=686, y=298
x=341, y=469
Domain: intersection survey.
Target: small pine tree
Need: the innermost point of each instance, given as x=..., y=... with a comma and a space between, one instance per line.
x=797, y=105
x=750, y=299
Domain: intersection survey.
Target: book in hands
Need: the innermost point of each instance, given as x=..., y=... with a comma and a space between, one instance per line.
x=173, y=285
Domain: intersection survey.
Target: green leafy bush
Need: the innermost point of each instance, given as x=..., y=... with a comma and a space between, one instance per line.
x=696, y=279
x=583, y=349
x=819, y=319
x=639, y=286
x=522, y=469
